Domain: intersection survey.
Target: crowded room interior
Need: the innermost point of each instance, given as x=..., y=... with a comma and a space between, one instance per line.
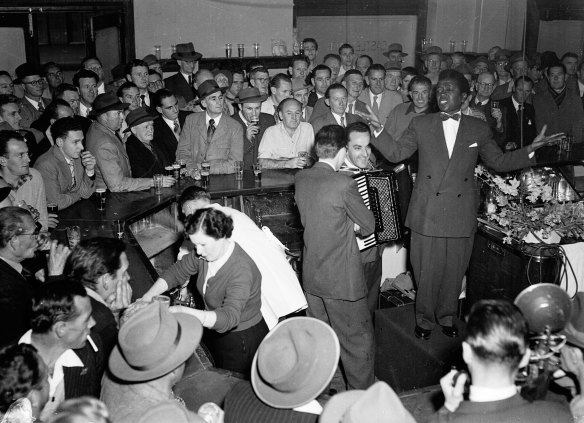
x=291, y=211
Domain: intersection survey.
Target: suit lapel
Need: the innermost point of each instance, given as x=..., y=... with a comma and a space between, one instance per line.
x=64, y=165
x=460, y=144
x=441, y=151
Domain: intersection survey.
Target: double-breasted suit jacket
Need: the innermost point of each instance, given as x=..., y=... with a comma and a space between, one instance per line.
x=445, y=196
x=178, y=85
x=165, y=140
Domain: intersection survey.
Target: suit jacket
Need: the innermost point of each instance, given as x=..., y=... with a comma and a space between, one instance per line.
x=28, y=112
x=389, y=100
x=514, y=409
x=164, y=139
x=329, y=119
x=320, y=108
x=59, y=186
x=144, y=163
x=222, y=152
x=86, y=380
x=486, y=110
x=16, y=292
x=179, y=86
x=445, y=197
x=512, y=125
x=501, y=92
x=250, y=148
x=312, y=99
x=330, y=205
x=113, y=165
x=105, y=325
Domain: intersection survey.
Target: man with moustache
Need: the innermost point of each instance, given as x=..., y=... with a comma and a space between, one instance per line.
x=442, y=211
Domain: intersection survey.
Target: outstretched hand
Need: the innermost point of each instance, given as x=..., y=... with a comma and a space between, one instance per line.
x=370, y=117
x=541, y=140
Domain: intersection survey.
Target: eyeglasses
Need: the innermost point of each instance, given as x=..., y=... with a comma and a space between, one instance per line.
x=36, y=83
x=34, y=234
x=484, y=85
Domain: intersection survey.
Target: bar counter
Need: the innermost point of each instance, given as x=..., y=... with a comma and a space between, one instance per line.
x=123, y=209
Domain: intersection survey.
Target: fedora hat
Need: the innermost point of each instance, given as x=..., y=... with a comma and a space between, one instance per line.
x=153, y=342
x=395, y=47
x=295, y=362
x=209, y=87
x=299, y=84
x=138, y=116
x=106, y=102
x=169, y=412
x=377, y=404
x=24, y=70
x=250, y=95
x=150, y=59
x=186, y=51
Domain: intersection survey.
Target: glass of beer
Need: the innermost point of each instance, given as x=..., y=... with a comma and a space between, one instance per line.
x=205, y=172
x=240, y=50
x=52, y=208
x=100, y=194
x=169, y=171
x=238, y=168
x=158, y=184
x=73, y=236
x=176, y=170
x=304, y=155
x=257, y=172
x=228, y=50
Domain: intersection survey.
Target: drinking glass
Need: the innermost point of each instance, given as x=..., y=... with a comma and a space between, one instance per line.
x=238, y=168
x=303, y=155
x=256, y=49
x=100, y=194
x=257, y=172
x=52, y=208
x=240, y=50
x=228, y=50
x=157, y=51
x=158, y=184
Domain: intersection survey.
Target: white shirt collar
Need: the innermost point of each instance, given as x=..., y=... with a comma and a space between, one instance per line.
x=101, y=88
x=581, y=87
x=243, y=119
x=169, y=122
x=515, y=103
x=186, y=77
x=371, y=96
x=33, y=102
x=319, y=95
x=483, y=394
x=338, y=118
x=67, y=359
x=84, y=110
x=217, y=119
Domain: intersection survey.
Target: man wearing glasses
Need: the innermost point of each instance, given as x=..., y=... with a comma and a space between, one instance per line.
x=482, y=102
x=32, y=105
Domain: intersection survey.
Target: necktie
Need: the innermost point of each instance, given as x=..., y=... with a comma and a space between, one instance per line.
x=190, y=80
x=41, y=107
x=519, y=109
x=72, y=169
x=210, y=130
x=446, y=116
x=176, y=128
x=375, y=106
x=343, y=121
x=143, y=100
x=276, y=117
x=351, y=107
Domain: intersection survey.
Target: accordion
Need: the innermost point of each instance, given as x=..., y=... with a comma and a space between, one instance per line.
x=380, y=194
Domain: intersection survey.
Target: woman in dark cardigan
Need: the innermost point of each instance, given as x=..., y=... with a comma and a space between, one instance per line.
x=230, y=283
x=144, y=158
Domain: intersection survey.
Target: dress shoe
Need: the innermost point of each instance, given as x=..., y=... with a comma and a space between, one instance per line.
x=450, y=331
x=422, y=333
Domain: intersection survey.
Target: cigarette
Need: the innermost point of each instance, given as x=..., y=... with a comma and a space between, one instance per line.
x=92, y=343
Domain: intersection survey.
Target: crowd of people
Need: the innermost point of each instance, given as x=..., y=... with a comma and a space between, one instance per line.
x=70, y=328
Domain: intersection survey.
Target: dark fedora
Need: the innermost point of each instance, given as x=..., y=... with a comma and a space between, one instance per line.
x=106, y=102
x=186, y=52
x=209, y=87
x=393, y=48
x=150, y=59
x=24, y=70
x=250, y=95
x=138, y=116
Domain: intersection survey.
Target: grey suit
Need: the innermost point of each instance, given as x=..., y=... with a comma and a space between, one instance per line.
x=329, y=119
x=389, y=99
x=222, y=151
x=113, y=165
x=320, y=108
x=28, y=112
x=59, y=186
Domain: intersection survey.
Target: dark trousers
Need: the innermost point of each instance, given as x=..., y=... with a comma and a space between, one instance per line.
x=372, y=271
x=439, y=265
x=352, y=323
x=235, y=350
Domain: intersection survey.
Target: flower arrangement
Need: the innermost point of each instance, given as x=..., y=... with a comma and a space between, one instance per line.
x=522, y=209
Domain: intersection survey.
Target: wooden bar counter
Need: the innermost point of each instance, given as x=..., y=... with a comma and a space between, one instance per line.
x=125, y=209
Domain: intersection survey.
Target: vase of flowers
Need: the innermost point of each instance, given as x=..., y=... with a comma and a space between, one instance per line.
x=527, y=207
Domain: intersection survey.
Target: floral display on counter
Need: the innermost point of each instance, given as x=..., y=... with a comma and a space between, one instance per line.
x=531, y=205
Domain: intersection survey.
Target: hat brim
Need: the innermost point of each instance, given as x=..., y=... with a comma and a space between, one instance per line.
x=338, y=405
x=254, y=99
x=306, y=87
x=190, y=337
x=216, y=90
x=387, y=53
x=117, y=106
x=326, y=351
x=188, y=56
x=143, y=119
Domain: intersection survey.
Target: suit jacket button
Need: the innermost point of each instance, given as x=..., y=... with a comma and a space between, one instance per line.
x=428, y=176
x=465, y=179
x=437, y=194
x=459, y=195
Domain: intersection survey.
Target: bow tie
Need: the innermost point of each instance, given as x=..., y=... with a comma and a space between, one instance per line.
x=446, y=116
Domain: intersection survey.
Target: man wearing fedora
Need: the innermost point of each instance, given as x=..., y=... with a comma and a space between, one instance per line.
x=293, y=366
x=211, y=136
x=183, y=82
x=396, y=55
x=253, y=122
x=149, y=359
x=168, y=125
x=300, y=92
x=32, y=104
x=68, y=171
x=104, y=142
x=144, y=156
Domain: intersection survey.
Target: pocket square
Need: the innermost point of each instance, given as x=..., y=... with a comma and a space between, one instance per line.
x=473, y=145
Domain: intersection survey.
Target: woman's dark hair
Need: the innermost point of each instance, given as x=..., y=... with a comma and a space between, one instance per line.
x=20, y=372
x=93, y=258
x=211, y=222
